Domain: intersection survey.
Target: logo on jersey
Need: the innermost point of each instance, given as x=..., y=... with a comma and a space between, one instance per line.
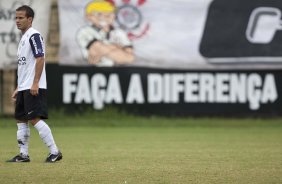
x=22, y=61
x=247, y=31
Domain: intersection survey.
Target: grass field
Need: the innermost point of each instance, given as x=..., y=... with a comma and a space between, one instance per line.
x=117, y=149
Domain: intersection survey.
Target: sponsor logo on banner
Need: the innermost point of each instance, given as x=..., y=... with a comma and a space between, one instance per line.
x=243, y=31
x=252, y=89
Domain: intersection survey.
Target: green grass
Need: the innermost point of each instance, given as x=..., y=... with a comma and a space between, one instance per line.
x=118, y=148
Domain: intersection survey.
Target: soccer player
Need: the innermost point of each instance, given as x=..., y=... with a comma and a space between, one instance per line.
x=30, y=94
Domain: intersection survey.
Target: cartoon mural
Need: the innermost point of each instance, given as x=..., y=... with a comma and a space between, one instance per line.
x=101, y=43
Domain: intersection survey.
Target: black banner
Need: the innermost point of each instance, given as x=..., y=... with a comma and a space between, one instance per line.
x=166, y=92
x=243, y=29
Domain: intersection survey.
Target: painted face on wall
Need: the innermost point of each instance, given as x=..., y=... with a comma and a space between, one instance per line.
x=101, y=19
x=100, y=13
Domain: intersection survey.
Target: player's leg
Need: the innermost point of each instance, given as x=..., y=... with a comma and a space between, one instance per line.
x=47, y=137
x=23, y=135
x=37, y=113
x=23, y=132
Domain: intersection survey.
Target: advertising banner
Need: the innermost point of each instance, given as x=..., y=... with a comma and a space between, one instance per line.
x=10, y=35
x=167, y=92
x=202, y=34
x=244, y=31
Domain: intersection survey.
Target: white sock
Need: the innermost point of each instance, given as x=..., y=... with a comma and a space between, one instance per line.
x=46, y=135
x=23, y=135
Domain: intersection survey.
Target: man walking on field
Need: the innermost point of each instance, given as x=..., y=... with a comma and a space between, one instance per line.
x=30, y=94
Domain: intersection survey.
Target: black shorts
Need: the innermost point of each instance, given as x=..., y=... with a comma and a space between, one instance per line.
x=29, y=107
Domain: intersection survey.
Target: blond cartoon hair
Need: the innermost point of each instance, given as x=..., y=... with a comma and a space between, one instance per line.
x=99, y=6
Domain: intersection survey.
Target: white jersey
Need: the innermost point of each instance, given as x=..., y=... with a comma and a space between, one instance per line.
x=30, y=47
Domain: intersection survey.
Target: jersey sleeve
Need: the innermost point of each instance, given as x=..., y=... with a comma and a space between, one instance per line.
x=36, y=43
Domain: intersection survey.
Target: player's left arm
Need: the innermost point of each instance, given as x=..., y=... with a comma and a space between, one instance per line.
x=37, y=47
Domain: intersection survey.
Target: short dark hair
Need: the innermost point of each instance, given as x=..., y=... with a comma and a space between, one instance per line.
x=28, y=11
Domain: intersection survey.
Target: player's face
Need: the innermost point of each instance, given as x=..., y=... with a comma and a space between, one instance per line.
x=23, y=23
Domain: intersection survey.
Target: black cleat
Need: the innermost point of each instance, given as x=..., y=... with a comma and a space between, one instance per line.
x=54, y=158
x=20, y=158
